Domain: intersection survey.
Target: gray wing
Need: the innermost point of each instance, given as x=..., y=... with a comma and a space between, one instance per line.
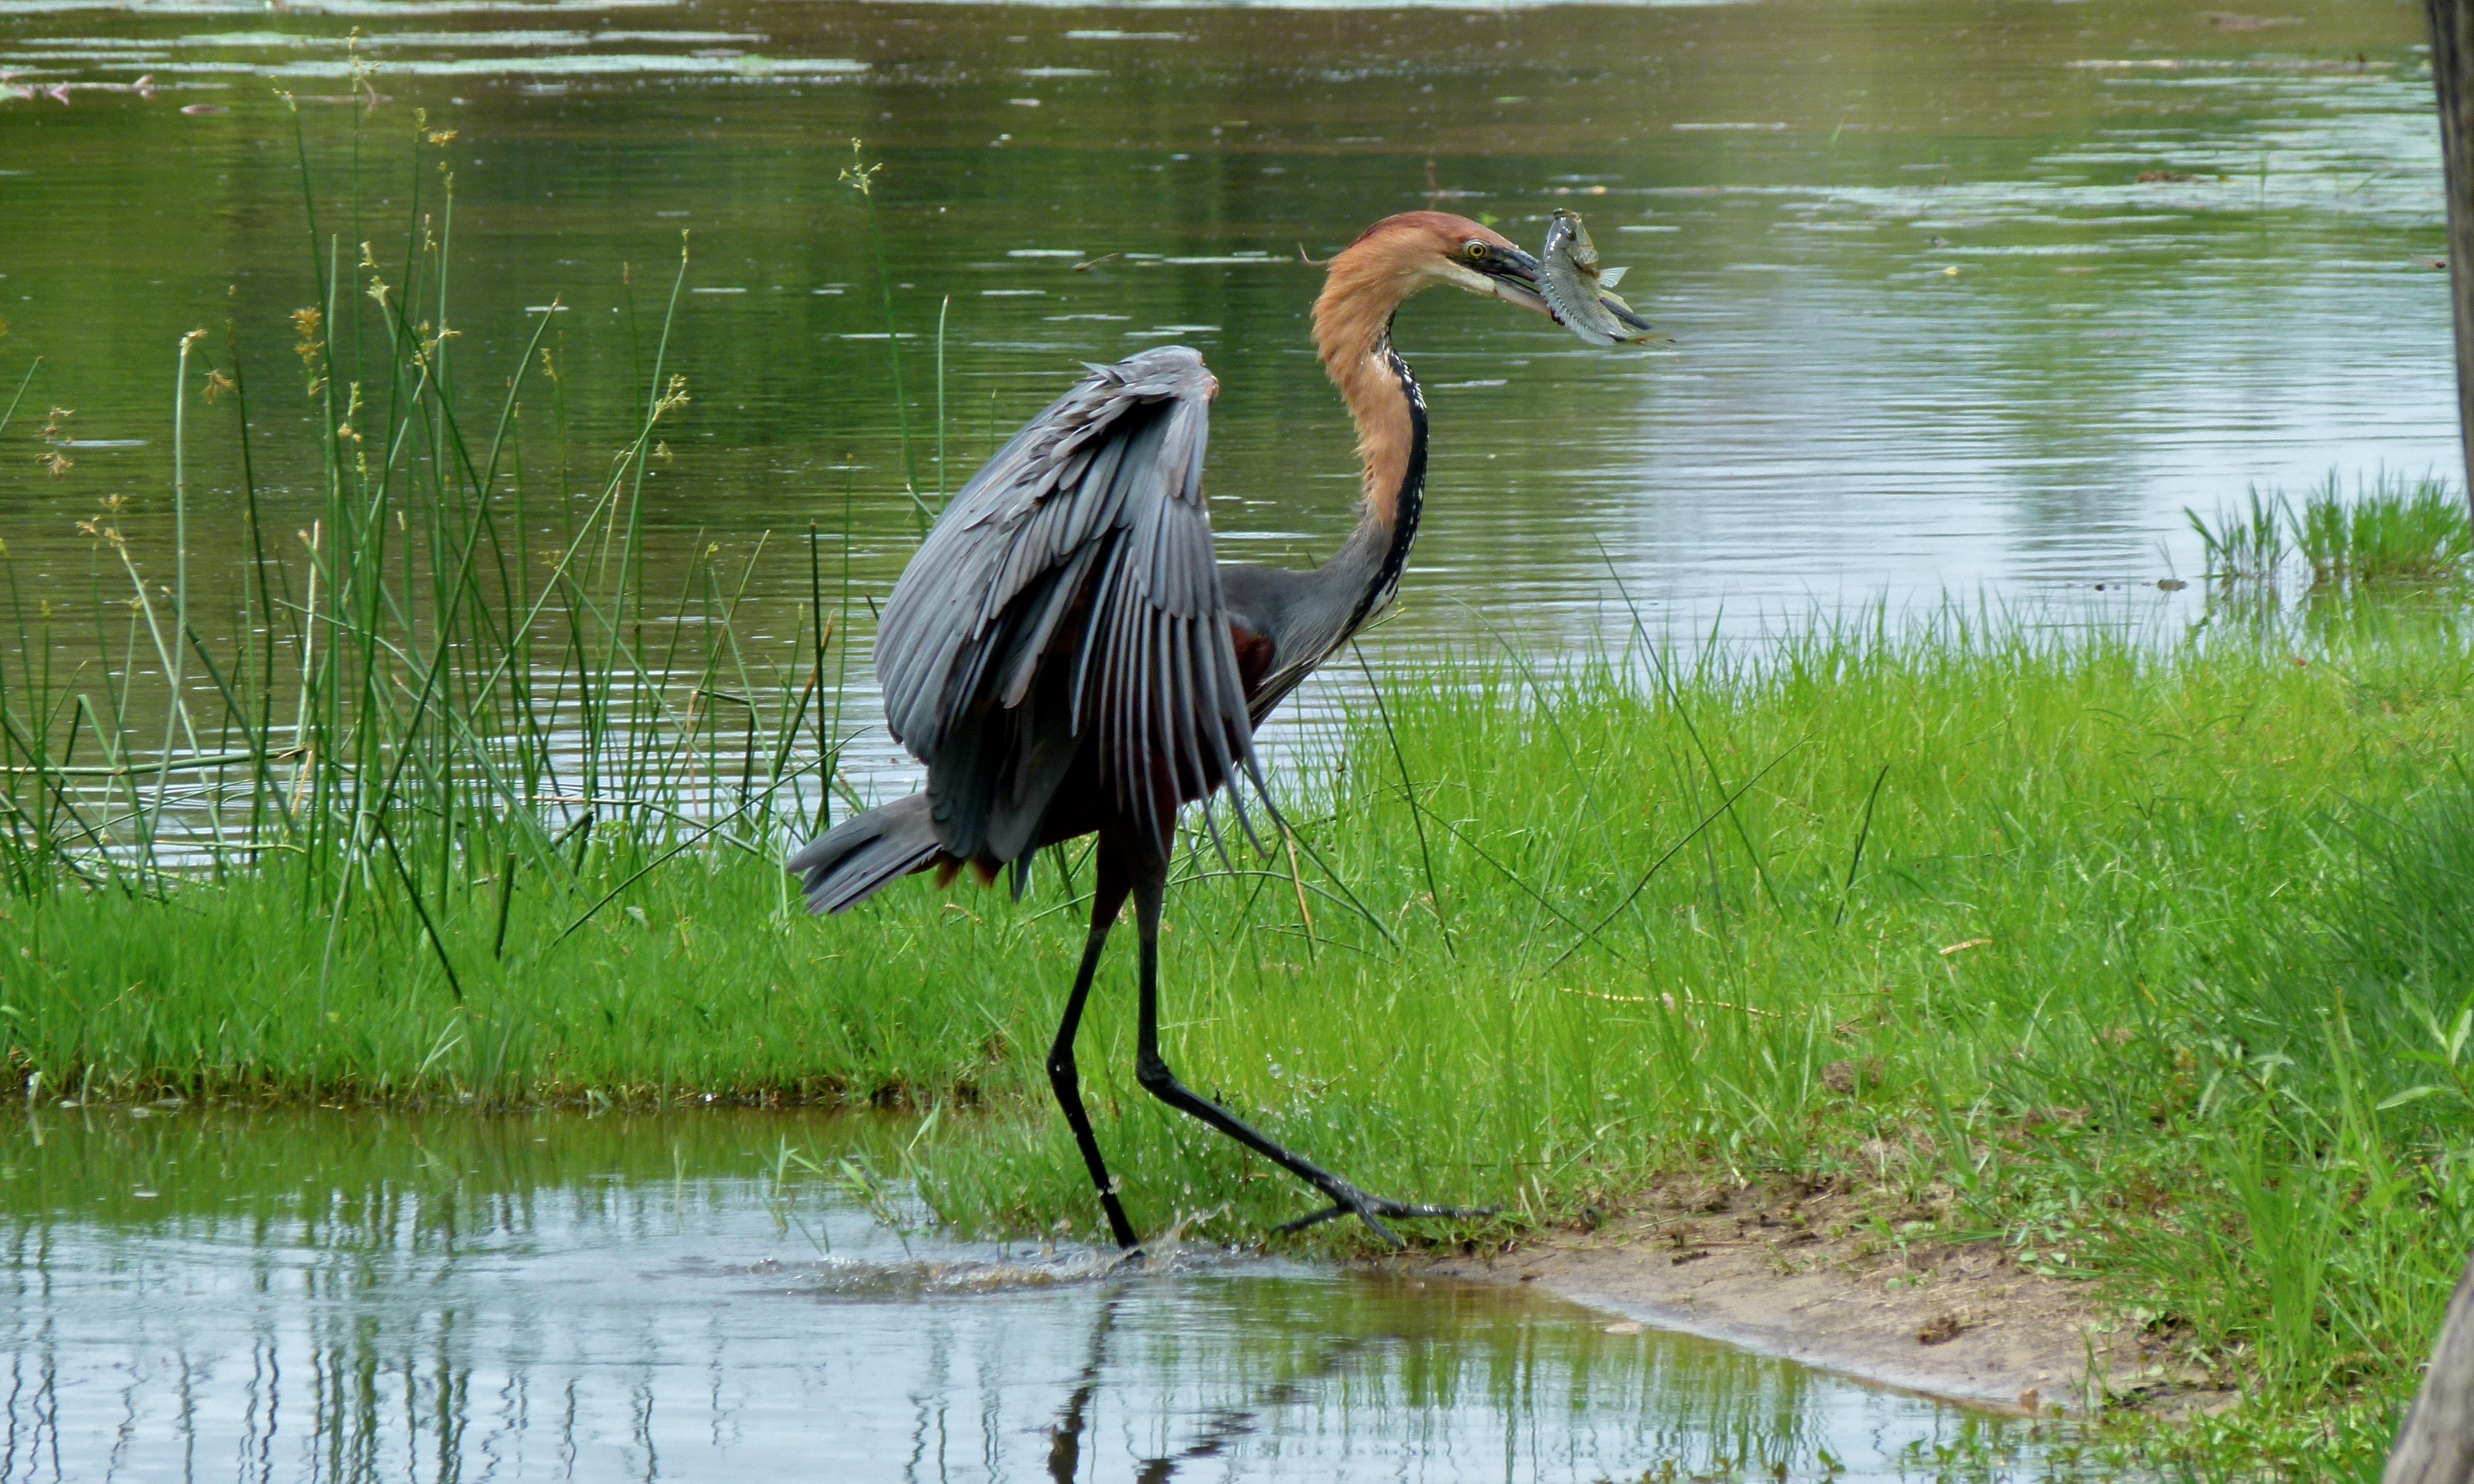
x=1066, y=608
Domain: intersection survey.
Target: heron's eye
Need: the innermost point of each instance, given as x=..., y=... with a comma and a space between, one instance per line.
x=1475, y=252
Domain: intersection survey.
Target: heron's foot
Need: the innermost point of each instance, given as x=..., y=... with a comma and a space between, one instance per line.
x=1374, y=1209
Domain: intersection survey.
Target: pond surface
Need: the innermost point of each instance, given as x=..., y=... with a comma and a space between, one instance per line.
x=1967, y=299
x=327, y=1296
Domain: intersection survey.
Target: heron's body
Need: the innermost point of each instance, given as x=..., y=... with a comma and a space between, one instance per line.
x=1067, y=656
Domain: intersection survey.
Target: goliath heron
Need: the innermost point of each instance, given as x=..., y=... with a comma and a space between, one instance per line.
x=1067, y=657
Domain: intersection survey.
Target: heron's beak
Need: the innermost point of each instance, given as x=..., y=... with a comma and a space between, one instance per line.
x=1514, y=280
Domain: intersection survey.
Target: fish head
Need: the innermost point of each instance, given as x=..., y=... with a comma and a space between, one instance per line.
x=1579, y=296
x=1565, y=236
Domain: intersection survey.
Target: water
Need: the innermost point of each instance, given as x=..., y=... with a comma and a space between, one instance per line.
x=325, y=1296
x=1933, y=332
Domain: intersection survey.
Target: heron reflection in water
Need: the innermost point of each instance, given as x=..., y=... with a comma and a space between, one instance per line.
x=1067, y=657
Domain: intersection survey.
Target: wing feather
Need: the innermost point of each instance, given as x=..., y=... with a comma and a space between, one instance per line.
x=1067, y=605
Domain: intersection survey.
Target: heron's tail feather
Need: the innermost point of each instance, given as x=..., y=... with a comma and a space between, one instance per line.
x=862, y=854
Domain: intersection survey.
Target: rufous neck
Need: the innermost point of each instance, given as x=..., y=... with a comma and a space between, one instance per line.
x=1352, y=328
x=1352, y=322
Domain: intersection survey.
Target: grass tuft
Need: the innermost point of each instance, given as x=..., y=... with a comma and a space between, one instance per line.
x=2244, y=542
x=2393, y=530
x=411, y=709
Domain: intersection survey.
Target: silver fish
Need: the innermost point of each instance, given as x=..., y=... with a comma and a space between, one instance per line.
x=1582, y=298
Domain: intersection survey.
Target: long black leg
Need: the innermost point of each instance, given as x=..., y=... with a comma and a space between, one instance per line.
x=1151, y=1070
x=1108, y=898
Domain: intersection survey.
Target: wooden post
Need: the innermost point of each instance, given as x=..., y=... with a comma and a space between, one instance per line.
x=2435, y=1445
x=2452, y=75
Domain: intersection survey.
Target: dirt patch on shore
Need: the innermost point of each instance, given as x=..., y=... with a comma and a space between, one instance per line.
x=1833, y=1280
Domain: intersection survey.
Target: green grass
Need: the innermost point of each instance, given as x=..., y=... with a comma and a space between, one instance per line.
x=2246, y=542
x=457, y=681
x=2393, y=530
x=2157, y=943
x=2208, y=1048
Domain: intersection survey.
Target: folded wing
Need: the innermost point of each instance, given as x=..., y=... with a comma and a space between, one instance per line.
x=1065, y=620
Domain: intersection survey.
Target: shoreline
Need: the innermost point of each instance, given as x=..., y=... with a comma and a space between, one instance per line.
x=1793, y=1275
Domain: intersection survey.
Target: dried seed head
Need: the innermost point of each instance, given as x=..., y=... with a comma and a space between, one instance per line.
x=305, y=321
x=217, y=384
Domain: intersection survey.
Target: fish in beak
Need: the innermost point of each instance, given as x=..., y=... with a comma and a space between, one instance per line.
x=1580, y=297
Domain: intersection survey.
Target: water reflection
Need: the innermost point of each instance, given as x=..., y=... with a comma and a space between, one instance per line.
x=1962, y=307
x=1956, y=305
x=354, y=1297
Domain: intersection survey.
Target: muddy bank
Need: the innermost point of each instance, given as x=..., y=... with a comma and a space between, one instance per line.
x=1817, y=1277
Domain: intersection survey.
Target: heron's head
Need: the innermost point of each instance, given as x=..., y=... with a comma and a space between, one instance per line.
x=1401, y=254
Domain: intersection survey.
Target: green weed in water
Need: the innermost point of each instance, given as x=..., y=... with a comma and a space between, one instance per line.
x=2391, y=530
x=2243, y=541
